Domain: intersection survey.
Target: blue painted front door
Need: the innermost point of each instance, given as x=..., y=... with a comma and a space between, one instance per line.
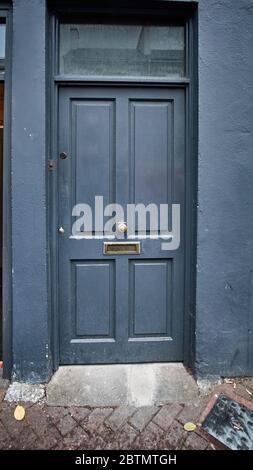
x=126, y=144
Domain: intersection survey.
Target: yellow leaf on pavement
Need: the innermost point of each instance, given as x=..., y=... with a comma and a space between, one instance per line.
x=190, y=427
x=19, y=413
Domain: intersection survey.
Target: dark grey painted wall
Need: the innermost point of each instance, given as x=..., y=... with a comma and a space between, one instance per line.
x=225, y=192
x=30, y=306
x=225, y=216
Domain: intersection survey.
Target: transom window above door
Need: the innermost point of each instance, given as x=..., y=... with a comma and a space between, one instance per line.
x=133, y=50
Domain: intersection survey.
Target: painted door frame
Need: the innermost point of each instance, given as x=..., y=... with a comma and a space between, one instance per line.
x=190, y=85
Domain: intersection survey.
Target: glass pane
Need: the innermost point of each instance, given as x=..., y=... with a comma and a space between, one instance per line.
x=124, y=50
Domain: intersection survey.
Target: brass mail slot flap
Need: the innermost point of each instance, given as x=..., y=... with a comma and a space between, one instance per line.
x=119, y=248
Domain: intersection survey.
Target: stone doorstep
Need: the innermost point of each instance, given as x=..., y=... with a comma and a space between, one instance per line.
x=136, y=385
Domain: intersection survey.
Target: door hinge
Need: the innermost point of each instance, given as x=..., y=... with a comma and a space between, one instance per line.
x=50, y=165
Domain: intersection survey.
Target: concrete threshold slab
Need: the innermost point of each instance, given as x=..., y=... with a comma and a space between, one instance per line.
x=115, y=385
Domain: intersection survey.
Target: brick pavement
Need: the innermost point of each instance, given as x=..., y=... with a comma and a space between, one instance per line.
x=128, y=428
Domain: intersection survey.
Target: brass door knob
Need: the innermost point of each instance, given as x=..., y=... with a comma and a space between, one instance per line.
x=121, y=227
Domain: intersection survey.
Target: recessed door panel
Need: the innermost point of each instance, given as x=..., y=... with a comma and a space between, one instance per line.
x=92, y=151
x=150, y=308
x=94, y=309
x=151, y=151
